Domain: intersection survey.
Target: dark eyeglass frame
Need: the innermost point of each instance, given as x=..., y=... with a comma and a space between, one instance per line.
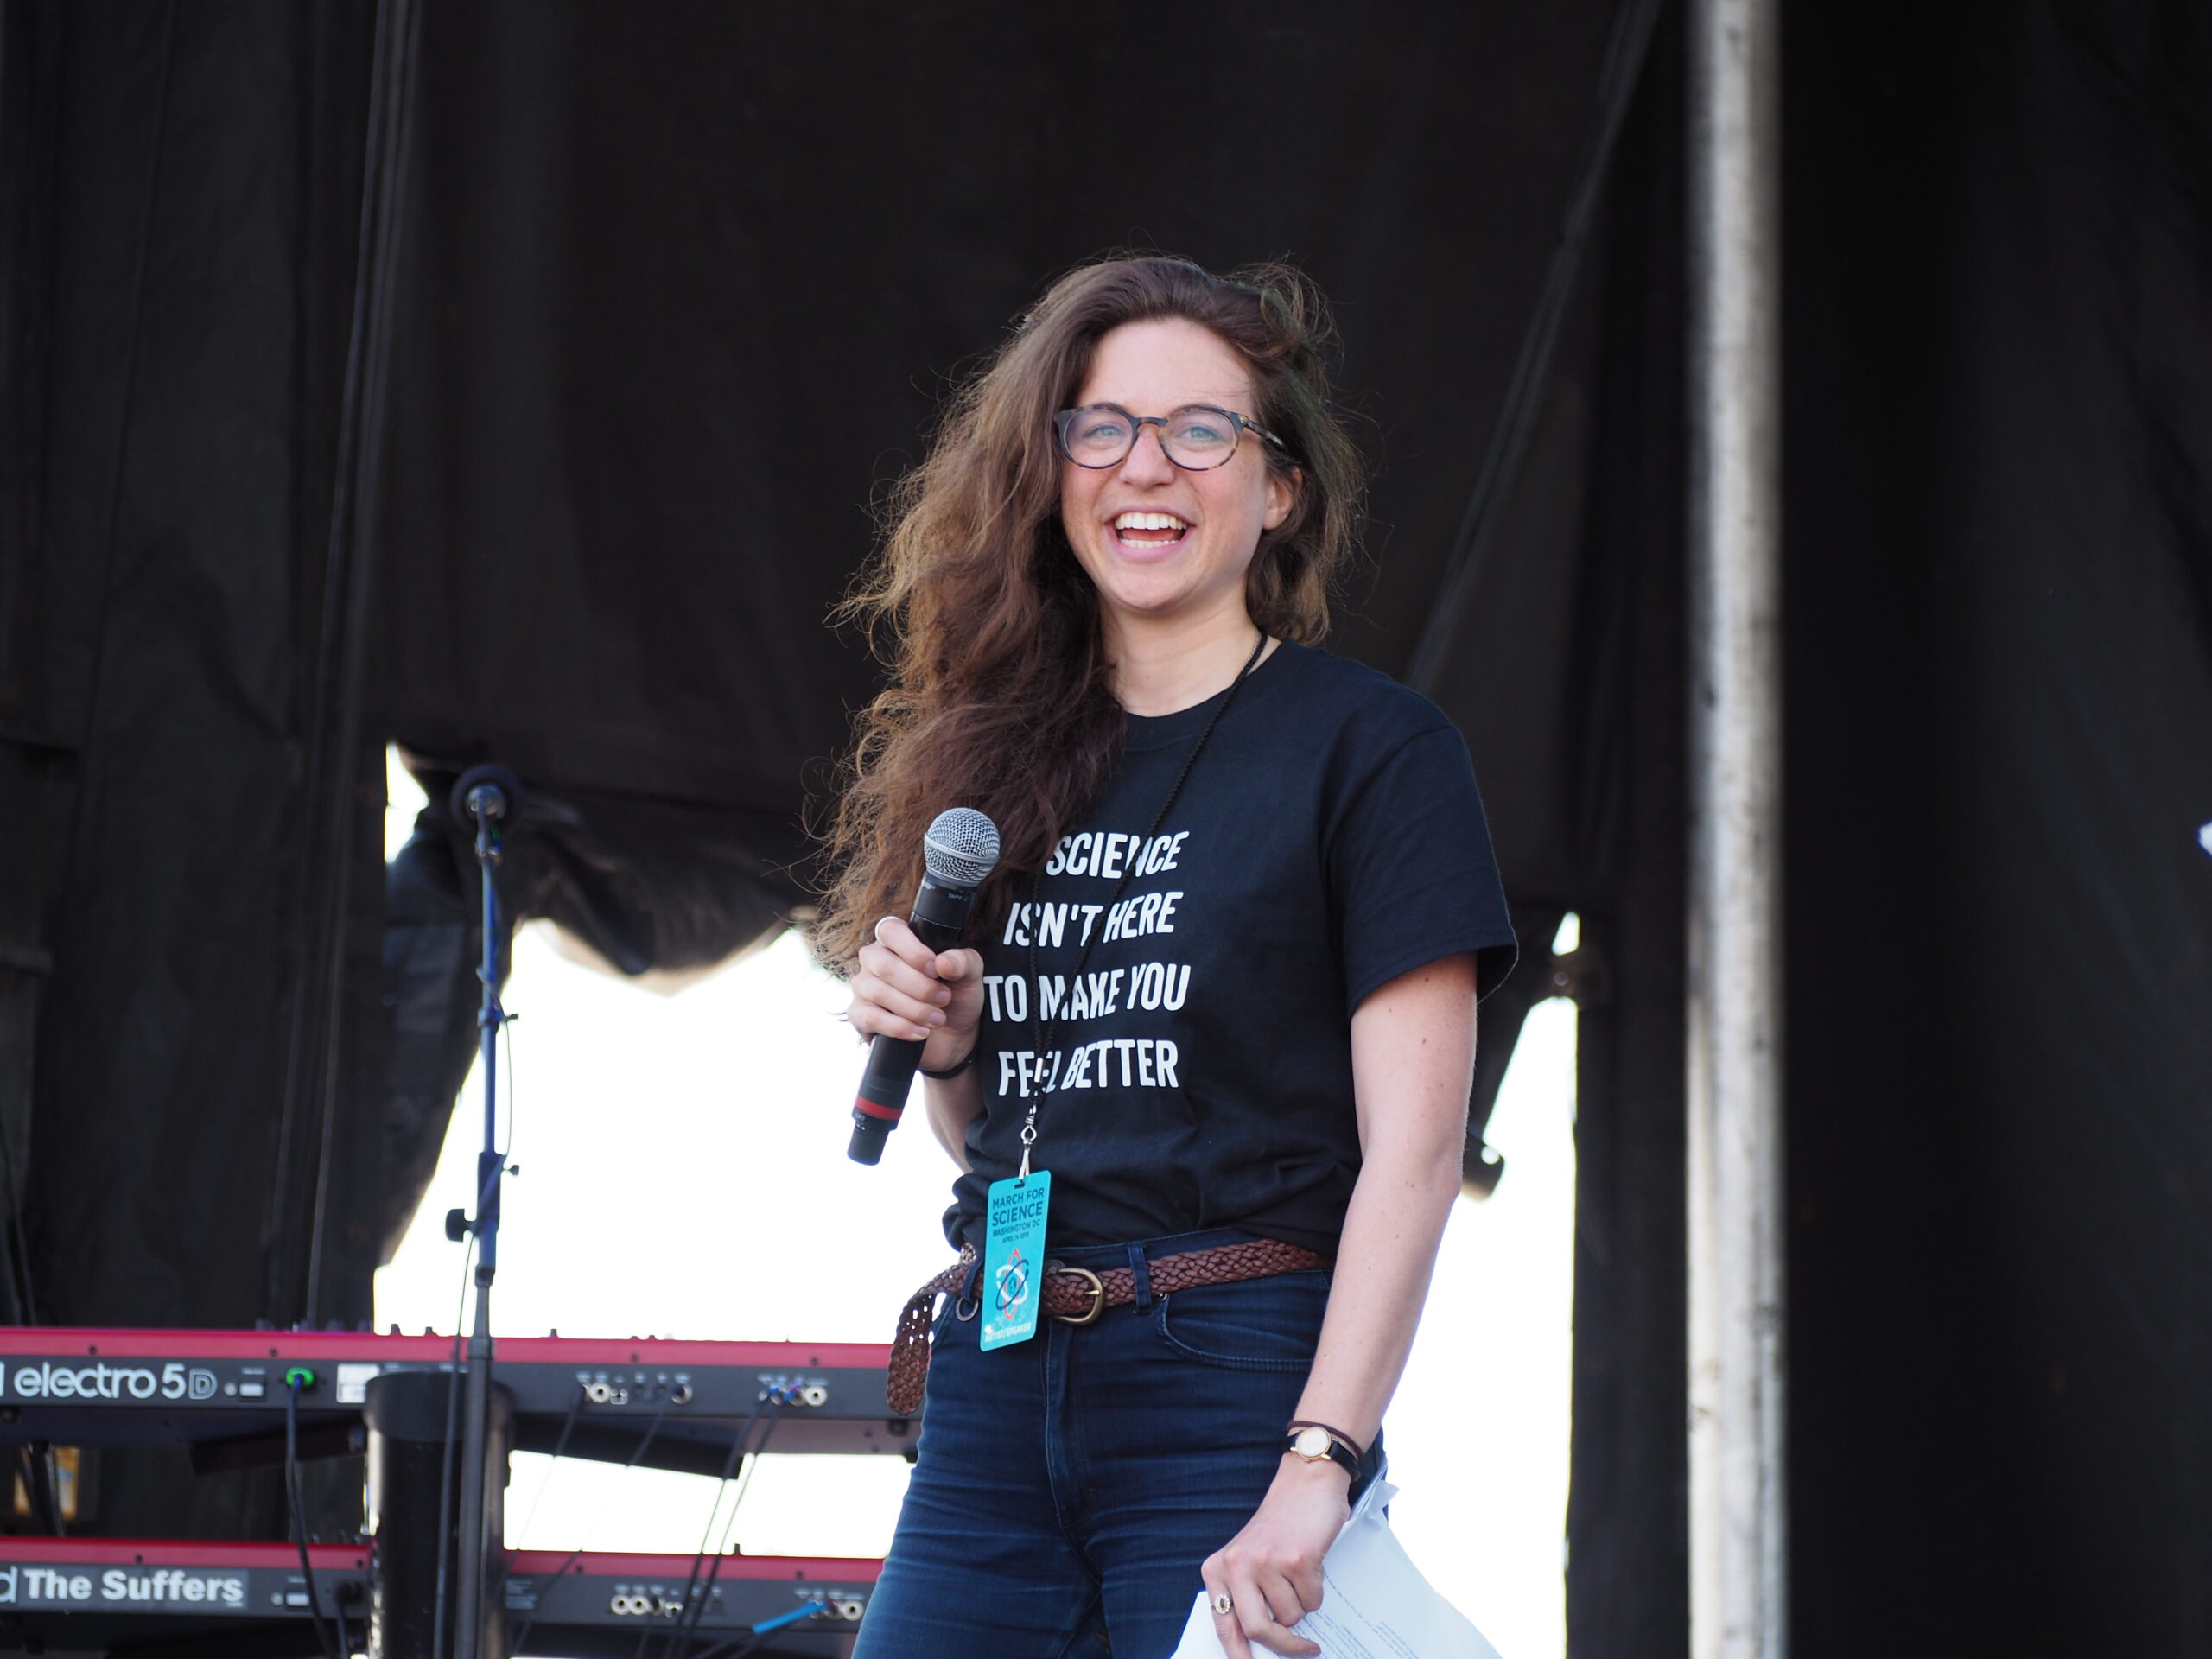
x=1242, y=423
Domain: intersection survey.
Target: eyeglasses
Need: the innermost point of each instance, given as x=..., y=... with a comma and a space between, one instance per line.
x=1197, y=437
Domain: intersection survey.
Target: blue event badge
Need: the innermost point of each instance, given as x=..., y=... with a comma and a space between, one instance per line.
x=1014, y=1257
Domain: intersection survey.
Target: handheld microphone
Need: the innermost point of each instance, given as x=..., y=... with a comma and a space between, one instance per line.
x=961, y=849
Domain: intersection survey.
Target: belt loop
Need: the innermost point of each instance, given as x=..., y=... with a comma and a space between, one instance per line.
x=969, y=1302
x=1140, y=1278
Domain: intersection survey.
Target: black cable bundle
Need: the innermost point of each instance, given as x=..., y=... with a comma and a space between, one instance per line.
x=445, y=1461
x=342, y=1648
x=692, y=1610
x=653, y=1429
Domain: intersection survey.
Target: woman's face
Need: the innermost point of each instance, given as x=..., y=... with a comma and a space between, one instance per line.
x=1168, y=548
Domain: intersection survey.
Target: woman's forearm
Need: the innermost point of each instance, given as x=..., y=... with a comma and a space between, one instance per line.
x=953, y=1104
x=1413, y=1045
x=1412, y=1055
x=1383, y=1263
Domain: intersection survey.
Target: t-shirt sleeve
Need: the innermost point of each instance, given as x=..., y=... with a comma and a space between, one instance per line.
x=1412, y=875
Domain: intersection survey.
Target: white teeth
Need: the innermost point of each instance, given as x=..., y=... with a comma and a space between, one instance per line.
x=1149, y=521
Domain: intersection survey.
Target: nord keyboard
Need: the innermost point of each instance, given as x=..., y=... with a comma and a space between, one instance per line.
x=603, y=1604
x=74, y=1594
x=80, y=1594
x=222, y=1393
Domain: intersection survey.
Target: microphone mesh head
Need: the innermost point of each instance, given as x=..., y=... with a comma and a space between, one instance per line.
x=961, y=849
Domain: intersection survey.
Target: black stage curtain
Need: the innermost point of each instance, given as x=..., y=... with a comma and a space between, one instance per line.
x=678, y=290
x=680, y=287
x=1999, y=408
x=627, y=458
x=182, y=187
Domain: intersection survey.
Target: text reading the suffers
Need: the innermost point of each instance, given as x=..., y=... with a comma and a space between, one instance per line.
x=20, y=1585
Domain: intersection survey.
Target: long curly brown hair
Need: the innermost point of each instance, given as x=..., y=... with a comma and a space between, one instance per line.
x=1001, y=697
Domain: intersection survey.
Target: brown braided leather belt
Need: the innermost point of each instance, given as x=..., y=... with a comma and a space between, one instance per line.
x=1077, y=1296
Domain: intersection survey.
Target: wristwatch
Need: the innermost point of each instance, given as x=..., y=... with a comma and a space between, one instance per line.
x=1318, y=1442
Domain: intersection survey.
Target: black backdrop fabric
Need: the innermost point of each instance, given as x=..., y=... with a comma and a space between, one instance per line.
x=688, y=282
x=1999, y=410
x=680, y=288
x=183, y=184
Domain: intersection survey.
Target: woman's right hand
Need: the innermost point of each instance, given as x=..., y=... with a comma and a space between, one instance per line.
x=904, y=989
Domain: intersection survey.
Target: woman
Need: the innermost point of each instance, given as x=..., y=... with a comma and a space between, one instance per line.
x=1223, y=984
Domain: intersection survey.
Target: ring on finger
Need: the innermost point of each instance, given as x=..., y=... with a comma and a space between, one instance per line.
x=1222, y=1604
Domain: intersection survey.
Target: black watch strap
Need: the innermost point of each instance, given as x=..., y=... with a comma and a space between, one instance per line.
x=1315, y=1441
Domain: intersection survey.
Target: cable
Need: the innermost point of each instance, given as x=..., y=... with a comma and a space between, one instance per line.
x=687, y=1615
x=744, y=1640
x=729, y=1526
x=560, y=1445
x=506, y=1030
x=651, y=1429
x=36, y=1472
x=299, y=1512
x=695, y=1611
x=804, y=1609
x=445, y=1458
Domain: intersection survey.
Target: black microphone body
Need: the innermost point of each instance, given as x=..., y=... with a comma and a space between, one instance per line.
x=940, y=919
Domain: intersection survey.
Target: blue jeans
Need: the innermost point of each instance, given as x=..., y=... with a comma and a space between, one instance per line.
x=1070, y=1485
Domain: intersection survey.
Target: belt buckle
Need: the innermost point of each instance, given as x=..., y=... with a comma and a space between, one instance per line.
x=1097, y=1294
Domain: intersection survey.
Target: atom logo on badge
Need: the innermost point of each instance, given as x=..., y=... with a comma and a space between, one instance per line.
x=1012, y=1282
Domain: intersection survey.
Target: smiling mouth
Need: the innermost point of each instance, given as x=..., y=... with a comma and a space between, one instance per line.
x=1149, y=532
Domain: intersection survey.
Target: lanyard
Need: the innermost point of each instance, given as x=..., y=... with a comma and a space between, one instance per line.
x=1038, y=1033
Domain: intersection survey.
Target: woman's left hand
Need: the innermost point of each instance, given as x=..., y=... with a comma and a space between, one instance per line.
x=1271, y=1571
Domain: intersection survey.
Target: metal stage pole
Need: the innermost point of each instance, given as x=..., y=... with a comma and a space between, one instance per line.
x=1738, y=1487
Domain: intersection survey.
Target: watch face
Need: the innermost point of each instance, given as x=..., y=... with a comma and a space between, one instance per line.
x=1312, y=1444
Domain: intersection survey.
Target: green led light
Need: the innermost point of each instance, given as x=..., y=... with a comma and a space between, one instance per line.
x=300, y=1376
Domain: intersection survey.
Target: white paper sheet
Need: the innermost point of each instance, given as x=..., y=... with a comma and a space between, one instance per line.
x=1374, y=1604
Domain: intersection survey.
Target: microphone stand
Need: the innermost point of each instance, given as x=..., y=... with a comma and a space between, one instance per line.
x=489, y=797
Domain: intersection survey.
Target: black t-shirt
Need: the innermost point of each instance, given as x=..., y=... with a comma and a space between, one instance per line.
x=1199, y=1073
